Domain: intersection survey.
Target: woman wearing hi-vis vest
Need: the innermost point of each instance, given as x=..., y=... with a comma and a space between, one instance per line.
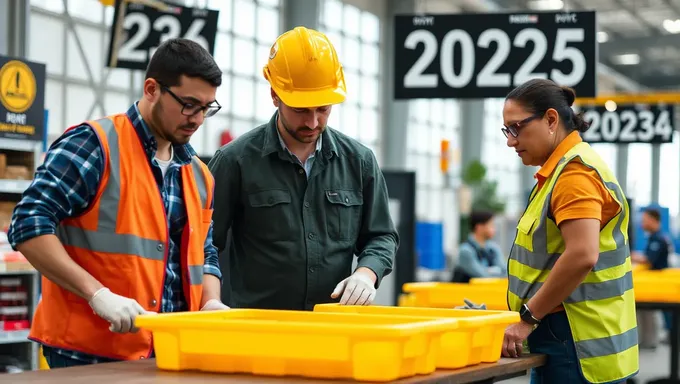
x=569, y=269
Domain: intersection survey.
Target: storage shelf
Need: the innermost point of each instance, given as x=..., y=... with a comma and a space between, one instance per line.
x=14, y=337
x=14, y=186
x=20, y=145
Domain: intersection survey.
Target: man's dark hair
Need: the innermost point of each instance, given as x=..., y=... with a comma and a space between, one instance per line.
x=653, y=213
x=479, y=217
x=177, y=57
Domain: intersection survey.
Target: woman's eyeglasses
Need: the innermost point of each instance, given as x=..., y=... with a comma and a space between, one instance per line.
x=513, y=129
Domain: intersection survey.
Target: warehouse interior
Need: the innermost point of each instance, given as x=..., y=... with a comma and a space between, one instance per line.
x=637, y=53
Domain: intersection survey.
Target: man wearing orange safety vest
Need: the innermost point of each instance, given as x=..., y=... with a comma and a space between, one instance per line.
x=119, y=218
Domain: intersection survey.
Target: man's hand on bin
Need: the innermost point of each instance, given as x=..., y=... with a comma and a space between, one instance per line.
x=118, y=310
x=214, y=305
x=470, y=305
x=358, y=289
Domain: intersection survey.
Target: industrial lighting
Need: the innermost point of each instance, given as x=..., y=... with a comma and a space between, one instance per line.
x=672, y=26
x=546, y=5
x=602, y=37
x=610, y=105
x=627, y=59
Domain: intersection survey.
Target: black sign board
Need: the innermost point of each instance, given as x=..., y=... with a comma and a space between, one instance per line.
x=630, y=124
x=22, y=99
x=487, y=55
x=139, y=29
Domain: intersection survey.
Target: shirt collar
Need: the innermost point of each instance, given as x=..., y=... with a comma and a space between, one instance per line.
x=284, y=146
x=549, y=166
x=474, y=241
x=272, y=140
x=183, y=152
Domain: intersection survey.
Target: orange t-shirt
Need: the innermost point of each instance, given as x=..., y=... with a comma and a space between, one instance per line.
x=579, y=192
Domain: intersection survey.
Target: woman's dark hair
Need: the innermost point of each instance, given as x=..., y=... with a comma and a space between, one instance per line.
x=539, y=95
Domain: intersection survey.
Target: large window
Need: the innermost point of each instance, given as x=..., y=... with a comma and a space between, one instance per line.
x=503, y=164
x=247, y=29
x=356, y=37
x=430, y=122
x=75, y=76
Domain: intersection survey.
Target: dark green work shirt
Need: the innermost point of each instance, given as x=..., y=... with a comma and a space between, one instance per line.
x=294, y=237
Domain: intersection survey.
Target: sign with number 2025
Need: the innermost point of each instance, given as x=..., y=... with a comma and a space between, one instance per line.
x=487, y=55
x=630, y=124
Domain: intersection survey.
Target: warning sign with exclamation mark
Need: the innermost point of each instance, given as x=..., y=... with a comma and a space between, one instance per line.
x=22, y=93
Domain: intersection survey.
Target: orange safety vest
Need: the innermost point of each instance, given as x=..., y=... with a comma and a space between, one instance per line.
x=122, y=240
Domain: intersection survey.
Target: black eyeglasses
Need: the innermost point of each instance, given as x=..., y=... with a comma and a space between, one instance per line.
x=513, y=129
x=190, y=109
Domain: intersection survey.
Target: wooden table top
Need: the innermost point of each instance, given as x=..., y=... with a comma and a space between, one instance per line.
x=145, y=372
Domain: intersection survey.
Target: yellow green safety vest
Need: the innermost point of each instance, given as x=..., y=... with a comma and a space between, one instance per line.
x=601, y=311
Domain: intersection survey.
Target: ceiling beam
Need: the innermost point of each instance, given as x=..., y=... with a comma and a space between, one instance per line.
x=637, y=44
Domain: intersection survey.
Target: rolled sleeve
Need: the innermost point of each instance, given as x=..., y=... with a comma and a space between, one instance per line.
x=63, y=186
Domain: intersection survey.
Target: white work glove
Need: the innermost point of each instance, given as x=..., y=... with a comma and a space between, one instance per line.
x=214, y=305
x=357, y=289
x=118, y=310
x=494, y=270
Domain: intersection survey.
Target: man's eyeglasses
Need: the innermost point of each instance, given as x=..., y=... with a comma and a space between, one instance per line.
x=513, y=129
x=190, y=109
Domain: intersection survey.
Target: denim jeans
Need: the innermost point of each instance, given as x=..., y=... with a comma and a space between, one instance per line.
x=56, y=360
x=553, y=338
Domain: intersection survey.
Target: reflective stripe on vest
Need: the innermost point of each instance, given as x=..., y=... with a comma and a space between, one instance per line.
x=601, y=310
x=105, y=238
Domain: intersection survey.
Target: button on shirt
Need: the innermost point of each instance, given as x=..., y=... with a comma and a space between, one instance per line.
x=296, y=227
x=307, y=165
x=74, y=162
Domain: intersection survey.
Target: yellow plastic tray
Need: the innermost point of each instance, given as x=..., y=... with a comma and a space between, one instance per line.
x=297, y=343
x=478, y=338
x=657, y=286
x=490, y=280
x=450, y=295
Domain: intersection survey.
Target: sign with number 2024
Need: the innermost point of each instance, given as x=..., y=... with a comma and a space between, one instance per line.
x=487, y=55
x=139, y=29
x=630, y=124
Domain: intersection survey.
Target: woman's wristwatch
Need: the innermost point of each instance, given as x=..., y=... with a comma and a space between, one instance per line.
x=526, y=316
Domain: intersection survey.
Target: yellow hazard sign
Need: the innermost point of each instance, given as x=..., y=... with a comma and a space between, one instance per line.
x=17, y=86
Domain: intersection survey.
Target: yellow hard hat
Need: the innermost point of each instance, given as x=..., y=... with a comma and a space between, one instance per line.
x=304, y=69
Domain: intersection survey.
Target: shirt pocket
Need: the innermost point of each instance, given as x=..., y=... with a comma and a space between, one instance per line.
x=266, y=212
x=344, y=213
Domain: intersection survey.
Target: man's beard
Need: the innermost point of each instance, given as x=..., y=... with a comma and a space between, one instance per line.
x=295, y=132
x=159, y=128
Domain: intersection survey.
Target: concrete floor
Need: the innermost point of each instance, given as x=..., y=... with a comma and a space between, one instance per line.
x=653, y=365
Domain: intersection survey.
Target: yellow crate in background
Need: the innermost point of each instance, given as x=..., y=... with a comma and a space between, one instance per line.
x=478, y=338
x=42, y=362
x=451, y=295
x=657, y=286
x=297, y=343
x=490, y=280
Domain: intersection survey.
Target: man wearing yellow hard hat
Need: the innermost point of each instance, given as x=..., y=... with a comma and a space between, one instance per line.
x=301, y=198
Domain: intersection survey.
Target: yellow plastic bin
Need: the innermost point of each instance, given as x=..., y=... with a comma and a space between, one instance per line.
x=297, y=343
x=451, y=295
x=656, y=286
x=490, y=280
x=478, y=338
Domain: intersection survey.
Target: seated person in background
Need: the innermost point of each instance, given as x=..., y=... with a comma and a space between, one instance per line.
x=478, y=255
x=659, y=248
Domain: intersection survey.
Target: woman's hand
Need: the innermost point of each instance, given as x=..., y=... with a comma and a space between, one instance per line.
x=514, y=337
